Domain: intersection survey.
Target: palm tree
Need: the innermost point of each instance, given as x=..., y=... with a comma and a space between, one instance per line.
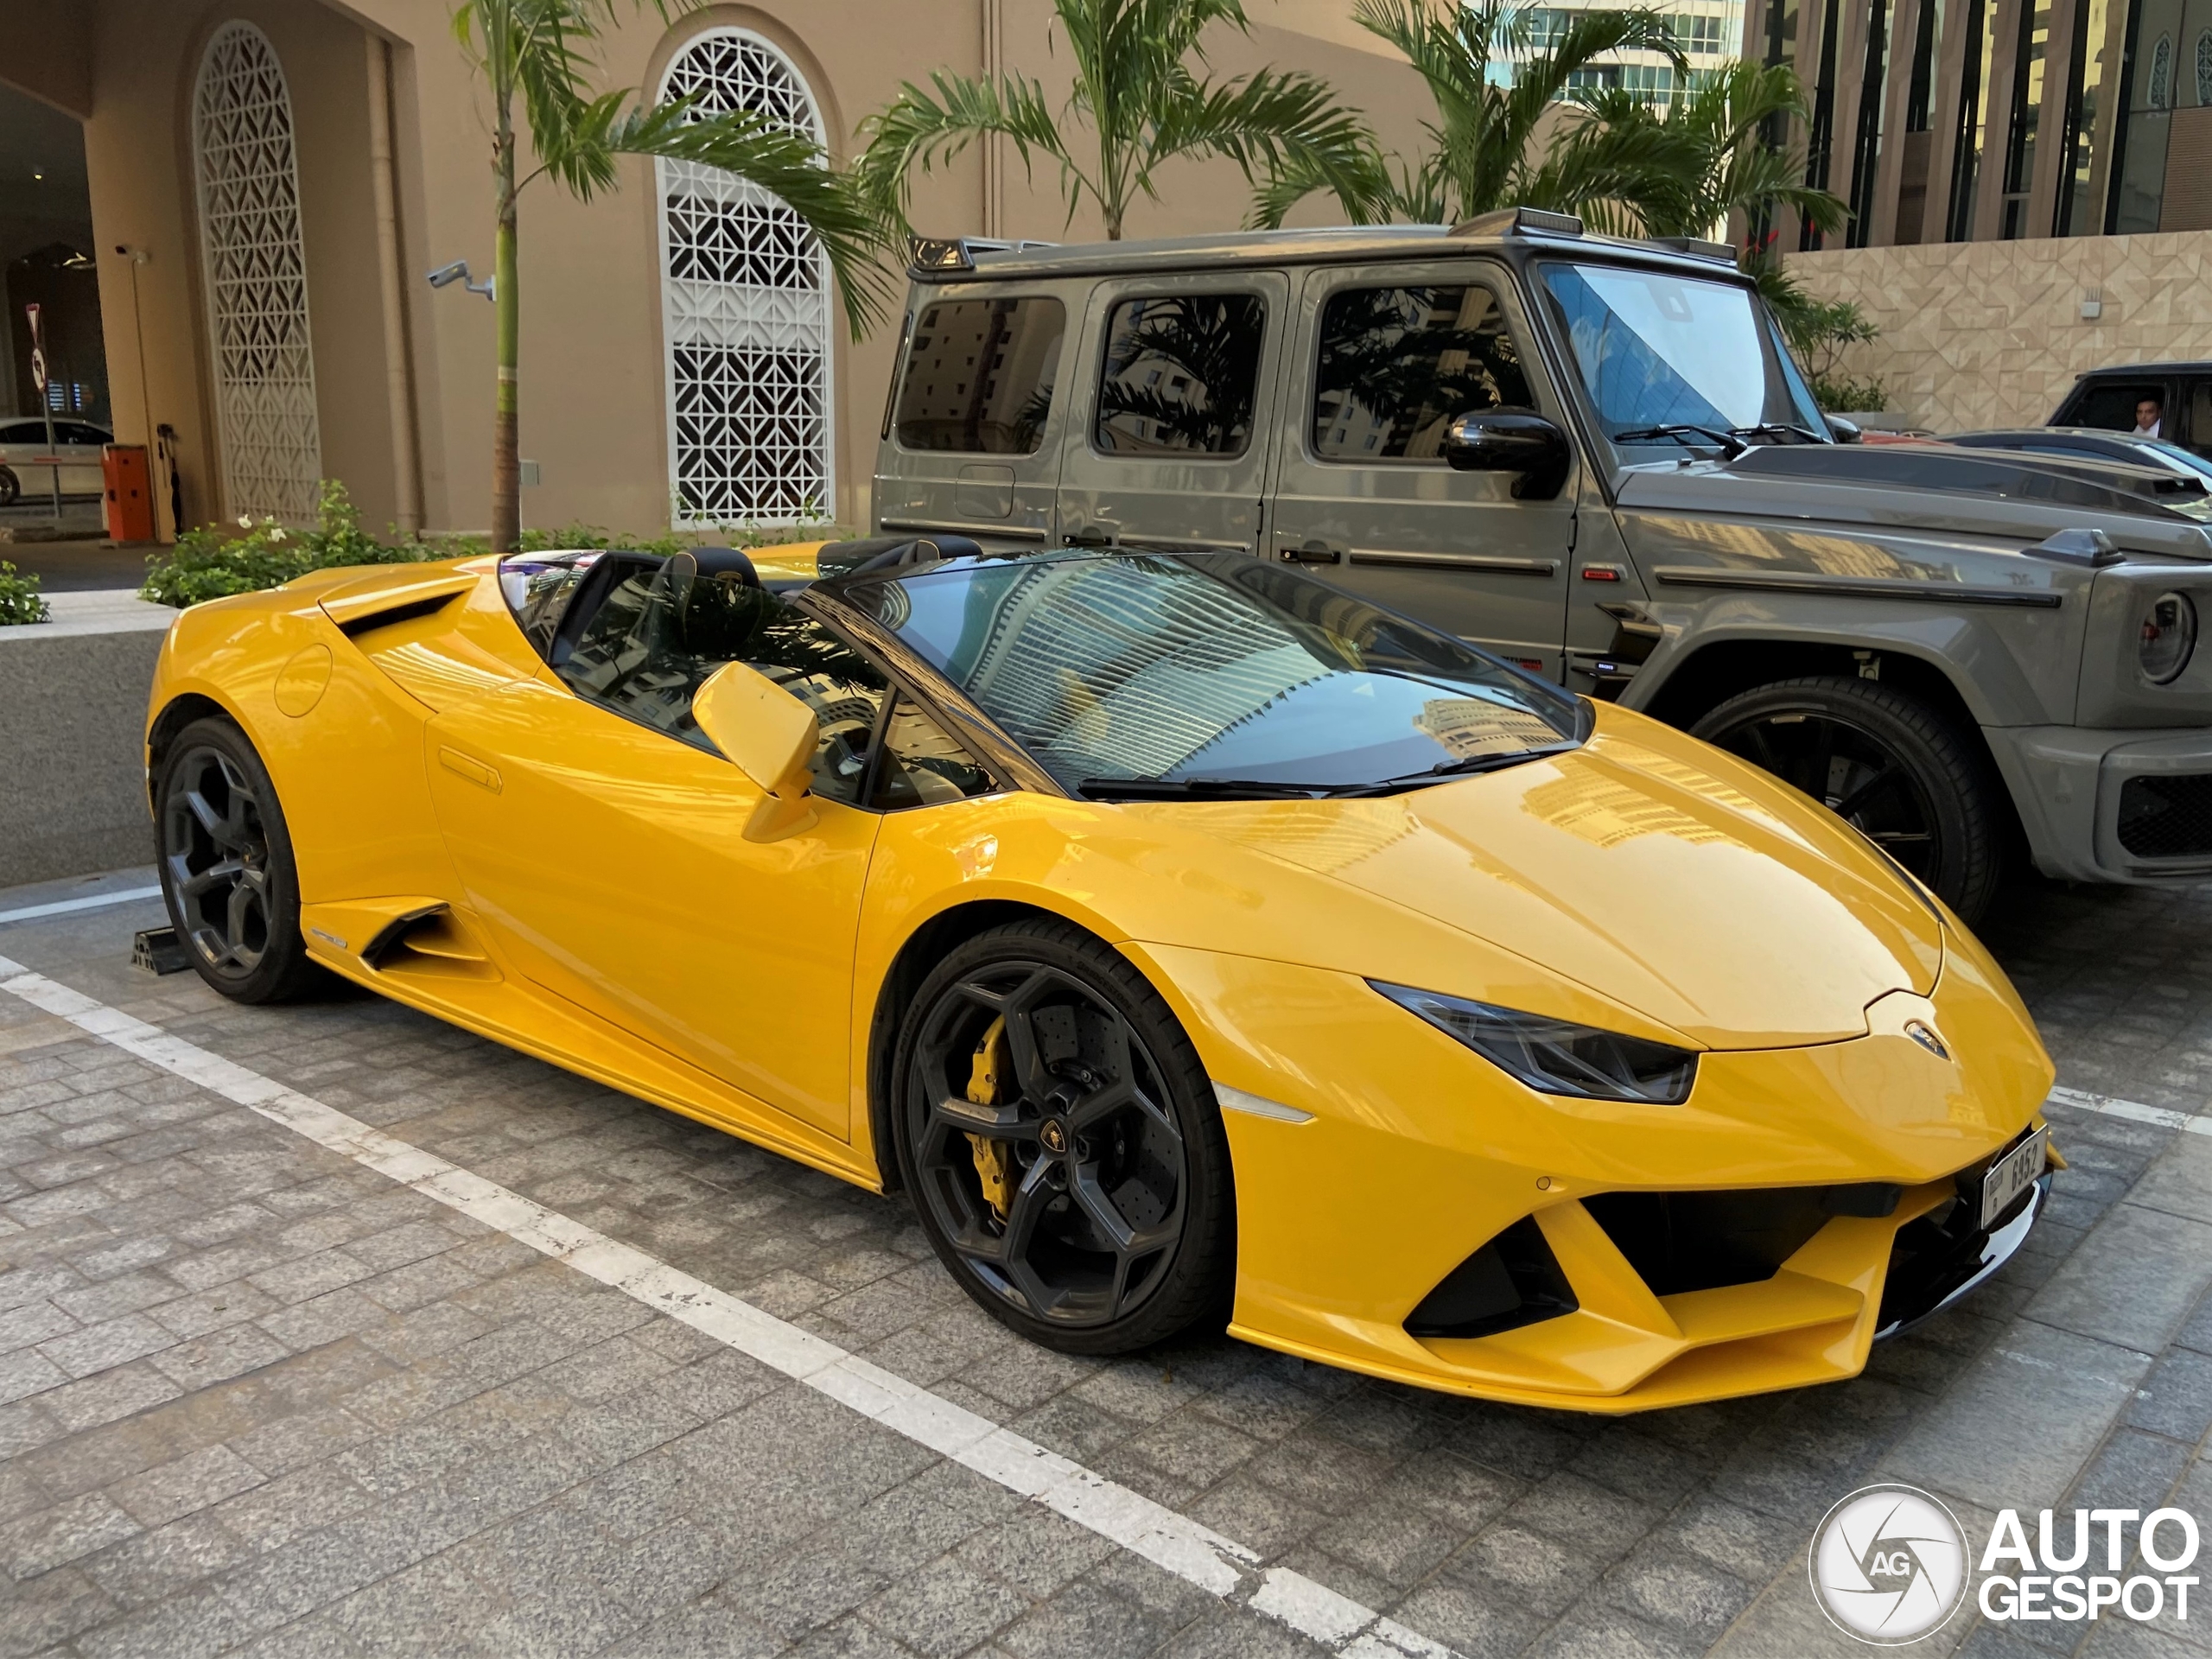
x=1142, y=104
x=1485, y=149
x=1726, y=170
x=1724, y=161
x=540, y=51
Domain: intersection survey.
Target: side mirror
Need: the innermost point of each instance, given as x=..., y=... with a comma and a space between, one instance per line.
x=770, y=736
x=1511, y=440
x=1845, y=430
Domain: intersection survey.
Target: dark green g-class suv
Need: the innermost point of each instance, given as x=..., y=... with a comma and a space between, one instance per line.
x=1595, y=458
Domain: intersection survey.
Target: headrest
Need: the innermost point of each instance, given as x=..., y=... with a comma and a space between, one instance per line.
x=726, y=561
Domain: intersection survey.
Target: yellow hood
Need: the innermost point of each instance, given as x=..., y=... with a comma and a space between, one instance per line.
x=1645, y=866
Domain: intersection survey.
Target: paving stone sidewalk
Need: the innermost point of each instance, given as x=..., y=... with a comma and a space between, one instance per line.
x=258, y=1399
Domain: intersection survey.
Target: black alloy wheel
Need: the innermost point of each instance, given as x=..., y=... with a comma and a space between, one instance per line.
x=11, y=486
x=1889, y=765
x=1062, y=1144
x=227, y=866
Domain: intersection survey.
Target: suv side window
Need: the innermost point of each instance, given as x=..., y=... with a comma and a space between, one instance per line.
x=2110, y=405
x=1398, y=365
x=651, y=645
x=2198, y=435
x=979, y=375
x=1180, y=375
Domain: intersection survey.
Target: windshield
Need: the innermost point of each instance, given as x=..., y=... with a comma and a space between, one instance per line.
x=2183, y=461
x=1663, y=354
x=1211, y=674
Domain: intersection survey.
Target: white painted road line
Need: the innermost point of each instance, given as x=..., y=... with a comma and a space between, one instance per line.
x=63, y=906
x=1196, y=1554
x=2134, y=1111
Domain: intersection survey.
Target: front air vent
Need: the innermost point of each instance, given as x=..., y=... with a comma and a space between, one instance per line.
x=1680, y=1242
x=2167, y=815
x=1513, y=1280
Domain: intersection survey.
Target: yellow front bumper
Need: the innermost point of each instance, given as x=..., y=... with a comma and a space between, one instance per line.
x=1417, y=1153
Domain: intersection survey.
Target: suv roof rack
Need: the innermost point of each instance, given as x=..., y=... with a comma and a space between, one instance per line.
x=958, y=252
x=1520, y=221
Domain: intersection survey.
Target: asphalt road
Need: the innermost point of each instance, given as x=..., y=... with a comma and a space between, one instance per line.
x=82, y=566
x=330, y=1330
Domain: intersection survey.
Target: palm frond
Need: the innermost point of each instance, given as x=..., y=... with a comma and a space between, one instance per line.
x=789, y=166
x=1275, y=122
x=918, y=131
x=1136, y=90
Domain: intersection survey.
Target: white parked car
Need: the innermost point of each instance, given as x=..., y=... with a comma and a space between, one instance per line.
x=27, y=465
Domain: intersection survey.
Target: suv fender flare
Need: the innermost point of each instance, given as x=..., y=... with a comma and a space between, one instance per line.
x=1673, y=682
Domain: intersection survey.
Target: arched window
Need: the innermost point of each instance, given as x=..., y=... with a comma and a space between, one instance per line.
x=256, y=276
x=2162, y=73
x=2204, y=67
x=745, y=300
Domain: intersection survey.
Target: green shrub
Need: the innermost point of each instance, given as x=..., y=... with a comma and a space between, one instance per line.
x=214, y=561
x=20, y=600
x=211, y=563
x=1839, y=394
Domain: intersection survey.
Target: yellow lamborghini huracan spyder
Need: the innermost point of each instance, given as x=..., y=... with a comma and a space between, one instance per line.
x=1187, y=938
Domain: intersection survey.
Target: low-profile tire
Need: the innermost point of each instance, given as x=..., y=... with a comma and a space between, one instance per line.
x=1895, y=769
x=228, y=876
x=1120, y=1222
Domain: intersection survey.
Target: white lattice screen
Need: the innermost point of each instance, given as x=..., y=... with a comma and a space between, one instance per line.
x=745, y=297
x=249, y=191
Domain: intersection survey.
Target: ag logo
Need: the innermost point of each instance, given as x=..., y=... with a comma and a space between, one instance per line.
x=1889, y=1565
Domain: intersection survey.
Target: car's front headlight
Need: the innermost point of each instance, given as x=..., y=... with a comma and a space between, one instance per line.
x=2167, y=637
x=1555, y=1056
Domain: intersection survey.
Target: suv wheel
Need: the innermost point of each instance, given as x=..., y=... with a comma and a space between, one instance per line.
x=1062, y=1142
x=227, y=866
x=1890, y=766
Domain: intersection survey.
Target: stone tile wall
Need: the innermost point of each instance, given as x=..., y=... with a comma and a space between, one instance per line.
x=1991, y=334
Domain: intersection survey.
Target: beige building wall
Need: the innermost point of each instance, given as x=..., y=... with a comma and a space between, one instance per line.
x=405, y=375
x=1991, y=334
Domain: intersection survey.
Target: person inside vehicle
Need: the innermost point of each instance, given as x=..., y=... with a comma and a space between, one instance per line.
x=2149, y=410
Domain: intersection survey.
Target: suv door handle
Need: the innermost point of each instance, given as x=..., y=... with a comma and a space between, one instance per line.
x=1312, y=552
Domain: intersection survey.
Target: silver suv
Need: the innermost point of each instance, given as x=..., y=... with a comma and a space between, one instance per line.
x=1596, y=460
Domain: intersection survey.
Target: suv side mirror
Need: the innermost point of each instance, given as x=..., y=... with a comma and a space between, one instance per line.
x=770, y=736
x=1511, y=440
x=1844, y=429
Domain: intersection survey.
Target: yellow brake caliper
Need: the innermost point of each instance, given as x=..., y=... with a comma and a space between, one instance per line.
x=993, y=1166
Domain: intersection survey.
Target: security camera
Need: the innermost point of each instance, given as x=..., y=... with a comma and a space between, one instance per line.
x=458, y=272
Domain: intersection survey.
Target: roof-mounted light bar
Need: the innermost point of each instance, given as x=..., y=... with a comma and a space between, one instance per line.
x=958, y=252
x=1520, y=221
x=1696, y=246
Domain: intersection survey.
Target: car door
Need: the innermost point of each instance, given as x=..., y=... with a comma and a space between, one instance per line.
x=82, y=451
x=1386, y=357
x=23, y=448
x=1167, y=440
x=600, y=833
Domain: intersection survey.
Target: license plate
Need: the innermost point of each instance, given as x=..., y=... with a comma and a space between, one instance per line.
x=2011, y=1175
